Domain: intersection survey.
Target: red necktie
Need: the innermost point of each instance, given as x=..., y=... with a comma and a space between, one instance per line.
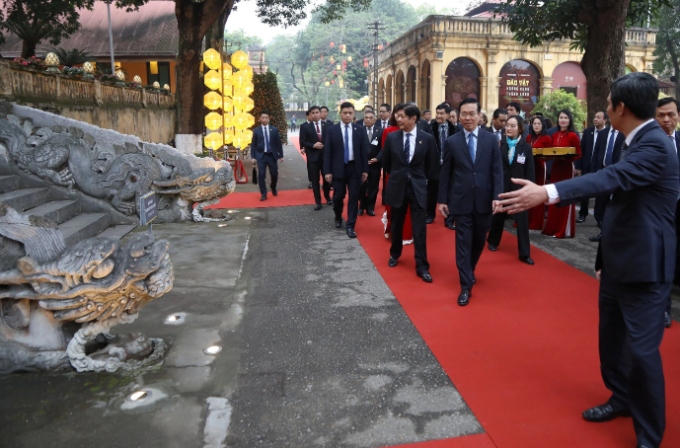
x=318, y=131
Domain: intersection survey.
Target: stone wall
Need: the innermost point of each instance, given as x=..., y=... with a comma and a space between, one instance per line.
x=151, y=116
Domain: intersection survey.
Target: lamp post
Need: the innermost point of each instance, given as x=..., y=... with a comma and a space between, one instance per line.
x=108, y=11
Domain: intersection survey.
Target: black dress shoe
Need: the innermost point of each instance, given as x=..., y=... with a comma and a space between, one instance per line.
x=493, y=248
x=667, y=321
x=263, y=198
x=310, y=186
x=527, y=260
x=360, y=212
x=580, y=219
x=370, y=212
x=351, y=233
x=604, y=413
x=274, y=192
x=318, y=207
x=451, y=226
x=329, y=202
x=429, y=220
x=464, y=297
x=425, y=275
x=338, y=223
x=393, y=262
x=595, y=239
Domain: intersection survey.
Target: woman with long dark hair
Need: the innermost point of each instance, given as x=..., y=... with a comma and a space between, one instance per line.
x=538, y=138
x=561, y=221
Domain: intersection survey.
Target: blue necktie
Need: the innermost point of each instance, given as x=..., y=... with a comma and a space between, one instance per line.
x=610, y=150
x=442, y=143
x=471, y=146
x=407, y=147
x=266, y=140
x=346, y=144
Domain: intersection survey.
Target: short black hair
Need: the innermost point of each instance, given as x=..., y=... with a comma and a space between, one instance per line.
x=520, y=123
x=313, y=108
x=393, y=116
x=444, y=106
x=516, y=105
x=369, y=111
x=264, y=112
x=669, y=100
x=386, y=106
x=544, y=126
x=426, y=111
x=568, y=113
x=471, y=101
x=307, y=112
x=323, y=107
x=538, y=114
x=452, y=109
x=368, y=106
x=638, y=91
x=346, y=104
x=412, y=111
x=606, y=117
x=498, y=112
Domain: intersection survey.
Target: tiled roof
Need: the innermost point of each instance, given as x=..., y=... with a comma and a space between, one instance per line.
x=149, y=32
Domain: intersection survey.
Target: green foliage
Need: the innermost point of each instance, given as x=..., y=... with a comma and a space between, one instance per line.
x=267, y=97
x=239, y=40
x=668, y=41
x=551, y=104
x=71, y=57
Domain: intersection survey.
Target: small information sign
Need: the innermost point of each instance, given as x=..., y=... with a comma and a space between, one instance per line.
x=148, y=209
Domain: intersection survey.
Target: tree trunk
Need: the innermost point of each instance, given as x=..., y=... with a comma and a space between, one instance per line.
x=604, y=58
x=28, y=48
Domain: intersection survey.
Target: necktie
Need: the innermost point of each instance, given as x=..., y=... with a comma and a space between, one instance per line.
x=370, y=135
x=346, y=143
x=624, y=149
x=674, y=144
x=407, y=147
x=610, y=149
x=471, y=146
x=442, y=142
x=318, y=131
x=266, y=139
x=384, y=124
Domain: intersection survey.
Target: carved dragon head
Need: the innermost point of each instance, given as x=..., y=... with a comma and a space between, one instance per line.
x=200, y=185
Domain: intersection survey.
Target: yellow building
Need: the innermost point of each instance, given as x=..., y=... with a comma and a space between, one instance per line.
x=446, y=58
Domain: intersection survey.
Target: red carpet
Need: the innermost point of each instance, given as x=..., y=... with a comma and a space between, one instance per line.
x=285, y=198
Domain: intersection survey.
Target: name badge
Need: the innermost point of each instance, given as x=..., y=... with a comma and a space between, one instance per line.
x=374, y=142
x=521, y=159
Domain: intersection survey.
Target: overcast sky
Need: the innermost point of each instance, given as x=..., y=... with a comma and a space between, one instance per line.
x=246, y=18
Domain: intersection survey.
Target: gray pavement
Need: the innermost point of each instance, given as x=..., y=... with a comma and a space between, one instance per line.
x=292, y=173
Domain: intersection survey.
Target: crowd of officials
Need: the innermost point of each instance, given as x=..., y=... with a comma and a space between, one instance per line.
x=477, y=176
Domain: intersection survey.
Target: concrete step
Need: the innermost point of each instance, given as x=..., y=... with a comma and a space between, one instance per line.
x=25, y=198
x=8, y=183
x=83, y=226
x=57, y=211
x=117, y=232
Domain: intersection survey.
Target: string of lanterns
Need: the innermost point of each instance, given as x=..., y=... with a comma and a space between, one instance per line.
x=340, y=69
x=230, y=92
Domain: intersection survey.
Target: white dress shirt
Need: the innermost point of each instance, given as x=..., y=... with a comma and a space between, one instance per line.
x=385, y=124
x=412, y=143
x=497, y=132
x=349, y=135
x=554, y=196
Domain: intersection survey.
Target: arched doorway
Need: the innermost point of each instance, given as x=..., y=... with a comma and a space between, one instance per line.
x=411, y=84
x=462, y=81
x=425, y=99
x=521, y=82
x=388, y=90
x=399, y=87
x=569, y=77
x=630, y=69
x=381, y=92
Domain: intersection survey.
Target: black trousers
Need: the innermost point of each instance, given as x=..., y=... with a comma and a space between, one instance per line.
x=369, y=189
x=600, y=207
x=496, y=232
x=471, y=231
x=351, y=185
x=267, y=160
x=432, y=193
x=583, y=212
x=419, y=229
x=314, y=172
x=631, y=329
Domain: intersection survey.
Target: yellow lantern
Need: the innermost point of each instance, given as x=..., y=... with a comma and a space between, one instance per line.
x=247, y=72
x=240, y=121
x=213, y=121
x=212, y=80
x=226, y=71
x=137, y=79
x=338, y=67
x=212, y=100
x=248, y=134
x=328, y=83
x=248, y=88
x=228, y=89
x=239, y=140
x=239, y=101
x=212, y=58
x=250, y=105
x=349, y=58
x=237, y=80
x=250, y=120
x=52, y=62
x=213, y=140
x=228, y=121
x=239, y=59
x=228, y=104
x=89, y=70
x=228, y=135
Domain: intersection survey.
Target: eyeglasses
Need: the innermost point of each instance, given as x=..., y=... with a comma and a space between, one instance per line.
x=470, y=115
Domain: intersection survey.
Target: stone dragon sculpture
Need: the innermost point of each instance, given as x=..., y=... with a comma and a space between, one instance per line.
x=120, y=175
x=55, y=301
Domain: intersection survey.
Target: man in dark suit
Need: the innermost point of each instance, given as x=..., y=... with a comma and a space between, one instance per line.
x=442, y=129
x=453, y=119
x=385, y=111
x=311, y=143
x=498, y=121
x=369, y=189
x=363, y=111
x=667, y=117
x=637, y=254
x=345, y=165
x=266, y=148
x=515, y=108
x=607, y=152
x=323, y=111
x=582, y=165
x=471, y=177
x=410, y=158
